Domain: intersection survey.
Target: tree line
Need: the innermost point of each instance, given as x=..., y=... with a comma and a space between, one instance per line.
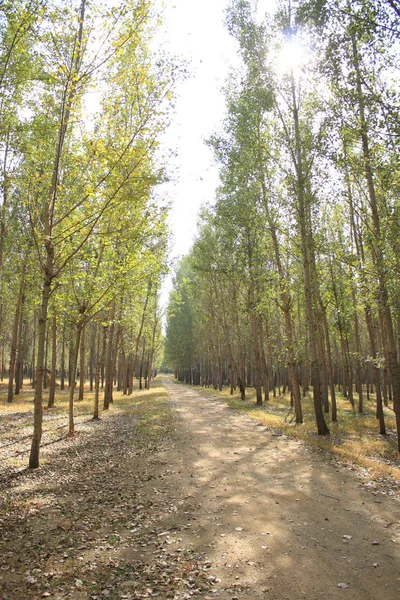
x=83, y=236
x=292, y=282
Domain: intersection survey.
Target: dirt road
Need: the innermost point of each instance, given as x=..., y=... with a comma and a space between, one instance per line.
x=276, y=520
x=182, y=498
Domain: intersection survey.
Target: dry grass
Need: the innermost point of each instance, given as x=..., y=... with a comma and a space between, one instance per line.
x=151, y=411
x=355, y=439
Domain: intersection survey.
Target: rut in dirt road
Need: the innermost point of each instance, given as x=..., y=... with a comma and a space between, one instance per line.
x=277, y=520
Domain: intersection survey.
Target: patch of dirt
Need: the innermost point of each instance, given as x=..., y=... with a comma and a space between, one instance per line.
x=214, y=506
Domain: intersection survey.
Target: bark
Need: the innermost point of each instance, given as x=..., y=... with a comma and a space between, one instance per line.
x=124, y=379
x=153, y=345
x=329, y=365
x=92, y=357
x=286, y=308
x=394, y=367
x=49, y=273
x=62, y=386
x=52, y=392
x=99, y=363
x=41, y=338
x=115, y=355
x=34, y=351
x=79, y=328
x=322, y=427
x=358, y=350
x=46, y=355
x=14, y=340
x=108, y=367
x=82, y=373
x=141, y=366
x=19, y=368
x=134, y=357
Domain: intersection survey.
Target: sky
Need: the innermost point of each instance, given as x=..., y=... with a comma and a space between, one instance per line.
x=194, y=30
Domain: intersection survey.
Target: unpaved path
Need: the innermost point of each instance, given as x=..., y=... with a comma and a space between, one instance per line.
x=194, y=501
x=275, y=519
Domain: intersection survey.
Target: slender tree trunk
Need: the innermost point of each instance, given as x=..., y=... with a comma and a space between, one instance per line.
x=79, y=327
x=109, y=364
x=329, y=366
x=115, y=355
x=99, y=363
x=133, y=362
x=82, y=373
x=41, y=339
x=141, y=366
x=394, y=367
x=153, y=345
x=14, y=340
x=358, y=350
x=286, y=308
x=322, y=427
x=53, y=363
x=92, y=357
x=62, y=386
x=19, y=370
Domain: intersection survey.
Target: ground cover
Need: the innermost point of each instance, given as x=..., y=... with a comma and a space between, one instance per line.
x=173, y=495
x=81, y=526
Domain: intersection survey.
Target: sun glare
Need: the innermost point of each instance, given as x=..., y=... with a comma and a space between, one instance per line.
x=291, y=57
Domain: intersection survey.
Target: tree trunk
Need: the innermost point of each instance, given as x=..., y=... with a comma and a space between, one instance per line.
x=71, y=422
x=394, y=367
x=62, y=386
x=82, y=373
x=322, y=427
x=41, y=339
x=14, y=340
x=53, y=363
x=99, y=363
x=286, y=308
x=108, y=383
x=19, y=369
x=133, y=361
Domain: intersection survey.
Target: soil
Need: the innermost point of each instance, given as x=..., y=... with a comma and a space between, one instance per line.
x=215, y=507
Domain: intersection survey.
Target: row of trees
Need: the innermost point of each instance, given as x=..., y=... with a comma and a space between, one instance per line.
x=293, y=279
x=83, y=240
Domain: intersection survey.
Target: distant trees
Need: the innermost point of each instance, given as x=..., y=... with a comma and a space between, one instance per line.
x=83, y=104
x=294, y=268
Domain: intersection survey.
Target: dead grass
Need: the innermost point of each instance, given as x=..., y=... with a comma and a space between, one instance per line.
x=151, y=411
x=355, y=439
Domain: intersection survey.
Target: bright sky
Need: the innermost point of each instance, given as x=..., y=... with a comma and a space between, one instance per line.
x=195, y=31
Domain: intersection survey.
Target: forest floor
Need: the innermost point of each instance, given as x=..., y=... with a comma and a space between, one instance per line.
x=173, y=495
